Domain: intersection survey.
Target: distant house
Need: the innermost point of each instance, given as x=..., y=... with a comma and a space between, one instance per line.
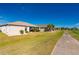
x=14, y=28
x=41, y=27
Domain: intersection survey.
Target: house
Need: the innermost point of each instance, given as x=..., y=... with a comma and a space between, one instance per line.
x=41, y=27
x=14, y=28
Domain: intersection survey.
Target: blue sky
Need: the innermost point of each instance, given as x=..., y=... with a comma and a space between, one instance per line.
x=58, y=14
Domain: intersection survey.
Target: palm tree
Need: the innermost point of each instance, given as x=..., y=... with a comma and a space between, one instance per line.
x=50, y=27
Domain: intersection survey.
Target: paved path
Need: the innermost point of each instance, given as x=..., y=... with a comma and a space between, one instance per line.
x=66, y=46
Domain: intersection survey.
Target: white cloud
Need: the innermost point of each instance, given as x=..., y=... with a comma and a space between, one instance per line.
x=77, y=24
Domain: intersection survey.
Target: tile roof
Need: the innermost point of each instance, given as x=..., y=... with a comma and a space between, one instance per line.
x=19, y=23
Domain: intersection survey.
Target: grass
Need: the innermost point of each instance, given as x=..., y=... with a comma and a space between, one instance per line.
x=34, y=43
x=75, y=34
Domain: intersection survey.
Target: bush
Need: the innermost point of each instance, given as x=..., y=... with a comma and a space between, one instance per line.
x=21, y=31
x=34, y=29
x=37, y=30
x=26, y=31
x=0, y=31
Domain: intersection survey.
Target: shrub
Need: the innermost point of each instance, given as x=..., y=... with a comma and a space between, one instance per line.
x=37, y=30
x=21, y=31
x=0, y=31
x=26, y=31
x=34, y=29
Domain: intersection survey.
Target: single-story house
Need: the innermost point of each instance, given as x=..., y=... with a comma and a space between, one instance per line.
x=14, y=28
x=41, y=27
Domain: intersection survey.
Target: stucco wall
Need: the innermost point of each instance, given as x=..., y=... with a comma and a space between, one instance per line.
x=41, y=29
x=12, y=30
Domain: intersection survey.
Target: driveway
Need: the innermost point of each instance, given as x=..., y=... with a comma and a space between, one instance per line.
x=66, y=46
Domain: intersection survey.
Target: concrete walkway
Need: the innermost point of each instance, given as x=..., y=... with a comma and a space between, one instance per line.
x=66, y=46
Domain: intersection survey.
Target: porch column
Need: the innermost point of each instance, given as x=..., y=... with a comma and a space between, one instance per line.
x=28, y=29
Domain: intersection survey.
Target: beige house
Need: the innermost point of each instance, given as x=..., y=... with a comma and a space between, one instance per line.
x=14, y=28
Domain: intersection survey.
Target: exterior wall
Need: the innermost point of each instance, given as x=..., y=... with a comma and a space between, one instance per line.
x=41, y=29
x=12, y=30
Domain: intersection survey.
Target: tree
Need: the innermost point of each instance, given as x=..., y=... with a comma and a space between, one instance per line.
x=75, y=28
x=50, y=27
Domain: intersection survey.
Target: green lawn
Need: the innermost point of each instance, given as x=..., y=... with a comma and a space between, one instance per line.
x=33, y=43
x=75, y=34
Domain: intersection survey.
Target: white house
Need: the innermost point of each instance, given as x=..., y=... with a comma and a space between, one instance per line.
x=14, y=28
x=42, y=27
